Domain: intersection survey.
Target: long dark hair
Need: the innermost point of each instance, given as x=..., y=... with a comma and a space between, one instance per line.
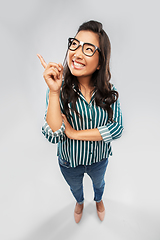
x=104, y=96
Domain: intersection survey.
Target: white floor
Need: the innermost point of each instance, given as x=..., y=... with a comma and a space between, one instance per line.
x=36, y=207
x=121, y=223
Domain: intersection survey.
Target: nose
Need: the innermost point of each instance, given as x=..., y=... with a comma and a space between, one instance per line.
x=78, y=52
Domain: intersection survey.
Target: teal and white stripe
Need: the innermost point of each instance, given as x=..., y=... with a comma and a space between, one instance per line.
x=78, y=152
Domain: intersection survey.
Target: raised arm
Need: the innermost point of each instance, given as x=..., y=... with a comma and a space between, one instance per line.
x=53, y=77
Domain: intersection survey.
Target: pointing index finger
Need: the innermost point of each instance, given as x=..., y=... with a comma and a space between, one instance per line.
x=44, y=64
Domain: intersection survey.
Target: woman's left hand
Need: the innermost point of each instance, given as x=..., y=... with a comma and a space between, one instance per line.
x=69, y=131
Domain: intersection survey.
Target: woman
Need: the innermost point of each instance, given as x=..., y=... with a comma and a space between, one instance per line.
x=83, y=112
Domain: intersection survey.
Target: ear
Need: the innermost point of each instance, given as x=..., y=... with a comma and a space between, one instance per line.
x=98, y=67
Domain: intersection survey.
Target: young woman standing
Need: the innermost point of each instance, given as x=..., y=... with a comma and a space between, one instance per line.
x=83, y=112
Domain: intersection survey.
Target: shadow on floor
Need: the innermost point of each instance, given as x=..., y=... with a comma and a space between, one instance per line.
x=122, y=222
x=62, y=224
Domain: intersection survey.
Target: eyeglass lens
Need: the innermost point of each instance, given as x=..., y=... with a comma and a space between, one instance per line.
x=87, y=48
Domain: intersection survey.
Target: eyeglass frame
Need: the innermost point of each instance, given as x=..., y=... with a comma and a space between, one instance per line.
x=82, y=44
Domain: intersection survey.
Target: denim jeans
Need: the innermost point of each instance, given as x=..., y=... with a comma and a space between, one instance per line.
x=74, y=178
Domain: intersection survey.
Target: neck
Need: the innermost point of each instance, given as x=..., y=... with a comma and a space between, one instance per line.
x=85, y=82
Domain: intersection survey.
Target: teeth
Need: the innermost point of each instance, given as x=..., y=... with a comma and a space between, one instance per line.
x=78, y=64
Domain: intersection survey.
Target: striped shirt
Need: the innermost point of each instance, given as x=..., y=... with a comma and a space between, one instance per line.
x=78, y=152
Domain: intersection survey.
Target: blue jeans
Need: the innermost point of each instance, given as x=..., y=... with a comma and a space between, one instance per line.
x=74, y=178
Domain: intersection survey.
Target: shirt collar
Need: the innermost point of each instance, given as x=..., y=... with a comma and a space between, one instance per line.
x=80, y=94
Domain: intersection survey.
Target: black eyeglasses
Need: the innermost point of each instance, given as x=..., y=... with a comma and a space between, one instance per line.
x=87, y=48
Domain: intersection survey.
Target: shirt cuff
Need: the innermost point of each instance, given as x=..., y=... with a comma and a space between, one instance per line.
x=105, y=133
x=48, y=131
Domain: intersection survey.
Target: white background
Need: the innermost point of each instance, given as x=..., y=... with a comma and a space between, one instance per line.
x=35, y=202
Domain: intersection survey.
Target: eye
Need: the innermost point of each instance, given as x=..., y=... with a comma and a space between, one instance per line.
x=74, y=43
x=89, y=49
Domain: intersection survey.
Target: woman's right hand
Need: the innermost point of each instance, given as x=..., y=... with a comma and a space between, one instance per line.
x=52, y=74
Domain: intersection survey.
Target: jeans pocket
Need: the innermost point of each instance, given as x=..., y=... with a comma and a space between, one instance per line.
x=63, y=162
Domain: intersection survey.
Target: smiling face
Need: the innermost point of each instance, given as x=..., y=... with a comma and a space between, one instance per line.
x=80, y=65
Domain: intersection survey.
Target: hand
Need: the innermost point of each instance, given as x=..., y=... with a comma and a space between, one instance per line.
x=52, y=74
x=69, y=131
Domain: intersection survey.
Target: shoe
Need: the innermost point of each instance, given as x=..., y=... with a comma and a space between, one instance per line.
x=77, y=216
x=100, y=214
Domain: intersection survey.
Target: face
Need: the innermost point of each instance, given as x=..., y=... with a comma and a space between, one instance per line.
x=80, y=65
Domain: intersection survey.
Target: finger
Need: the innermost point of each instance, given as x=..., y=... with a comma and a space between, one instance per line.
x=55, y=65
x=44, y=64
x=60, y=65
x=52, y=72
x=55, y=70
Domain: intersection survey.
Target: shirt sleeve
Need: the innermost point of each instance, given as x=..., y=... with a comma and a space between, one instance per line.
x=113, y=130
x=53, y=137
